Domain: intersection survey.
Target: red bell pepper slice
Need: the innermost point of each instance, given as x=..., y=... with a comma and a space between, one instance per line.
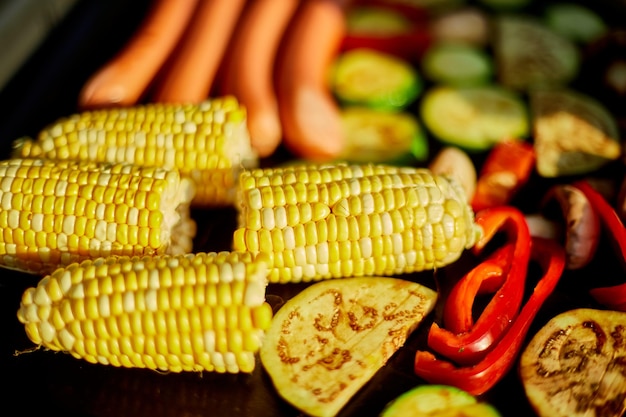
x=470, y=346
x=613, y=297
x=409, y=45
x=506, y=169
x=485, y=278
x=480, y=378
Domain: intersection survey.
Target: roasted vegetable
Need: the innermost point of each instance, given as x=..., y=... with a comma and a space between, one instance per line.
x=438, y=401
x=573, y=133
x=370, y=78
x=194, y=312
x=500, y=359
x=456, y=163
x=580, y=226
x=208, y=142
x=530, y=55
x=474, y=118
x=612, y=296
x=381, y=136
x=456, y=63
x=575, y=21
x=461, y=339
x=393, y=28
x=507, y=168
x=332, y=221
x=58, y=212
x=574, y=366
x=325, y=343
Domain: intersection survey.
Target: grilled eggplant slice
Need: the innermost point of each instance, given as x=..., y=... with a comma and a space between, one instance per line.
x=575, y=365
x=325, y=343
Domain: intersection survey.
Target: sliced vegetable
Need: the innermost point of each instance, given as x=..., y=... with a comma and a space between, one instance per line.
x=529, y=54
x=579, y=220
x=438, y=401
x=370, y=78
x=396, y=29
x=468, y=25
x=479, y=378
x=124, y=79
x=256, y=39
x=574, y=365
x=508, y=168
x=455, y=163
x=325, y=343
x=613, y=297
x=376, y=21
x=462, y=340
x=339, y=220
x=309, y=115
x=172, y=313
x=474, y=118
x=457, y=64
x=573, y=133
x=191, y=70
x=575, y=21
x=382, y=136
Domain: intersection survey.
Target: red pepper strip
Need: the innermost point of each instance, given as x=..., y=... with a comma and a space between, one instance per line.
x=506, y=169
x=485, y=278
x=480, y=378
x=471, y=346
x=613, y=297
x=502, y=257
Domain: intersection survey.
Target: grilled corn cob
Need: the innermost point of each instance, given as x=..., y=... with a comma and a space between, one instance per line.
x=208, y=142
x=319, y=222
x=53, y=213
x=192, y=312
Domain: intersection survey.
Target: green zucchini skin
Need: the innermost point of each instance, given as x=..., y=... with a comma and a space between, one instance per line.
x=366, y=77
x=474, y=118
x=382, y=136
x=438, y=401
x=458, y=64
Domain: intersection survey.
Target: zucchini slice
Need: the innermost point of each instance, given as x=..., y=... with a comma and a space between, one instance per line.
x=375, y=79
x=438, y=401
x=381, y=136
x=377, y=21
x=474, y=118
x=457, y=64
x=529, y=54
x=575, y=22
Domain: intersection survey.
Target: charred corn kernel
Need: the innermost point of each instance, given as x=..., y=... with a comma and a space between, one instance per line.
x=332, y=221
x=206, y=142
x=61, y=223
x=154, y=311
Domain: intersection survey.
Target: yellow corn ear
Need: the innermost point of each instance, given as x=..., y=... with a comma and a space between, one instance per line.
x=54, y=213
x=207, y=142
x=335, y=221
x=193, y=312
